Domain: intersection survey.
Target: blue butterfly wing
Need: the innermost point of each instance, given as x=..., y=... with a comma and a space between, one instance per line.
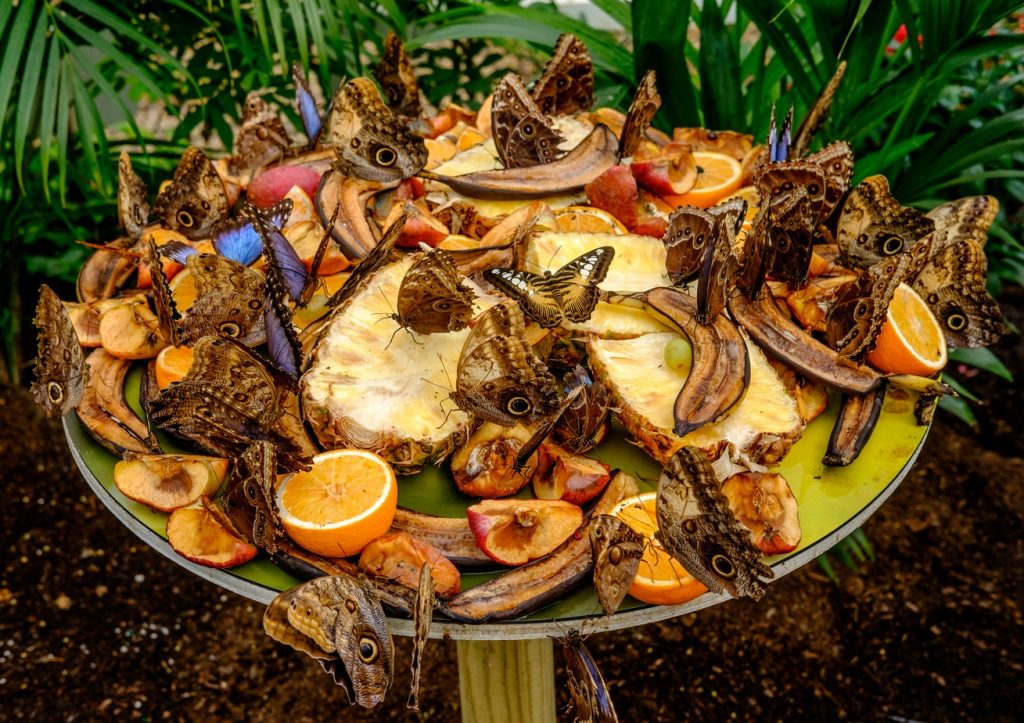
x=284, y=261
x=177, y=251
x=238, y=241
x=282, y=342
x=308, y=111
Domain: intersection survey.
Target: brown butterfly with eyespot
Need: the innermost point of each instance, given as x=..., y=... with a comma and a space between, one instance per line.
x=432, y=298
x=696, y=526
x=794, y=193
x=422, y=617
x=338, y=619
x=719, y=262
x=61, y=372
x=685, y=237
x=583, y=424
x=568, y=294
x=873, y=225
x=369, y=141
x=262, y=138
x=587, y=689
x=163, y=301
x=132, y=205
x=250, y=500
x=646, y=102
x=567, y=83
x=229, y=301
x=499, y=378
x=618, y=549
x=396, y=77
x=523, y=136
x=194, y=201
x=817, y=115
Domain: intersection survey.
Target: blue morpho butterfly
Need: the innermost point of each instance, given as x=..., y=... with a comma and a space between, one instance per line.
x=779, y=141
x=236, y=239
x=312, y=122
x=282, y=259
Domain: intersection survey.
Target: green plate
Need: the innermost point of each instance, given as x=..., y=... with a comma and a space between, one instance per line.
x=833, y=502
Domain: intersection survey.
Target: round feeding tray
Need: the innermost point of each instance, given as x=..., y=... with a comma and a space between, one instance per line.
x=833, y=501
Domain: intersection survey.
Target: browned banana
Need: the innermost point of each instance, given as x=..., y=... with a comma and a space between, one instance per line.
x=854, y=425
x=450, y=535
x=105, y=272
x=104, y=411
x=594, y=155
x=542, y=581
x=720, y=373
x=351, y=229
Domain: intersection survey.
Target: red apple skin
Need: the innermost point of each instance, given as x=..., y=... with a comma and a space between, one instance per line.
x=651, y=226
x=573, y=478
x=273, y=184
x=615, y=191
x=671, y=173
x=766, y=506
x=410, y=189
x=197, y=534
x=514, y=532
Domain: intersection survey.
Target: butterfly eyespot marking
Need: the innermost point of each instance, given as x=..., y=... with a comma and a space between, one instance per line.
x=892, y=246
x=385, y=156
x=54, y=392
x=518, y=406
x=442, y=305
x=690, y=526
x=861, y=310
x=956, y=321
x=529, y=131
x=355, y=143
x=185, y=219
x=813, y=189
x=229, y=329
x=615, y=555
x=262, y=133
x=723, y=566
x=255, y=304
x=250, y=493
x=368, y=650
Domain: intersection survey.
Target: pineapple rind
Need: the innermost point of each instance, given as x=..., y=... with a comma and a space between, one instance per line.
x=761, y=429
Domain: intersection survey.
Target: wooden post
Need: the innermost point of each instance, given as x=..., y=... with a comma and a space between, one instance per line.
x=507, y=681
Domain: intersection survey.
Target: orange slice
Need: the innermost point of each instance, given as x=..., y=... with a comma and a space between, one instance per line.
x=911, y=340
x=346, y=499
x=718, y=175
x=660, y=580
x=183, y=290
x=587, y=219
x=172, y=364
x=753, y=199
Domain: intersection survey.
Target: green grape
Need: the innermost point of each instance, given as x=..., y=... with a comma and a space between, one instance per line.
x=679, y=355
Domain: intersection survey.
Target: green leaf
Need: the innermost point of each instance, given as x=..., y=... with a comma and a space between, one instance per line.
x=63, y=123
x=982, y=359
x=129, y=66
x=301, y=38
x=48, y=114
x=10, y=67
x=27, y=97
x=660, y=46
x=961, y=410
x=720, y=97
x=826, y=565
x=958, y=387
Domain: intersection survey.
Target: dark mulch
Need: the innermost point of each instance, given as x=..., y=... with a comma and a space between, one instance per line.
x=96, y=625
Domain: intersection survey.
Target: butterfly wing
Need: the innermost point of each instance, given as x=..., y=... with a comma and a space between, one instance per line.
x=587, y=688
x=618, y=549
x=432, y=298
x=283, y=260
x=966, y=218
x=646, y=102
x=61, y=373
x=239, y=241
x=132, y=206
x=688, y=231
x=541, y=303
x=873, y=225
x=370, y=263
x=309, y=114
x=567, y=83
x=250, y=500
x=836, y=163
x=166, y=310
x=856, y=317
x=396, y=77
x=523, y=136
x=229, y=301
x=361, y=637
x=194, y=201
x=423, y=614
x=717, y=267
x=262, y=138
x=575, y=284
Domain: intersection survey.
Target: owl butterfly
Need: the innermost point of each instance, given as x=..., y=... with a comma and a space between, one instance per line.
x=757, y=254
x=373, y=261
x=523, y=136
x=239, y=240
x=499, y=378
x=873, y=225
x=396, y=77
x=836, y=163
x=229, y=301
x=194, y=201
x=567, y=84
x=687, y=234
x=646, y=103
x=795, y=193
x=568, y=294
x=338, y=620
x=719, y=262
x=432, y=298
x=132, y=206
x=583, y=424
x=250, y=500
x=369, y=141
x=422, y=617
x=856, y=317
x=305, y=103
x=587, y=688
x=818, y=114
x=166, y=310
x=617, y=549
x=576, y=382
x=261, y=140
x=61, y=373
x=697, y=528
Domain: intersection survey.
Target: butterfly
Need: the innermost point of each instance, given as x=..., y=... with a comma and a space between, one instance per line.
x=282, y=259
x=818, y=113
x=780, y=138
x=61, y=373
x=338, y=619
x=236, y=239
x=697, y=528
x=567, y=83
x=194, y=201
x=587, y=688
x=646, y=103
x=499, y=378
x=718, y=265
x=570, y=293
x=132, y=206
x=685, y=237
x=583, y=424
x=794, y=192
x=229, y=301
x=250, y=500
x=262, y=138
x=368, y=140
x=873, y=225
x=523, y=136
x=309, y=114
x=617, y=549
x=373, y=261
x=432, y=298
x=422, y=617
x=163, y=302
x=396, y=77
x=575, y=382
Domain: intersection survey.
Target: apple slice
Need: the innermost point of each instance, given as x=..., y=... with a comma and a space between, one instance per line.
x=131, y=331
x=419, y=228
x=573, y=478
x=399, y=556
x=766, y=506
x=203, y=534
x=615, y=191
x=165, y=482
x=670, y=173
x=273, y=184
x=513, y=532
x=485, y=465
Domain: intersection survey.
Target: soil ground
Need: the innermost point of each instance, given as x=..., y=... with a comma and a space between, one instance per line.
x=95, y=625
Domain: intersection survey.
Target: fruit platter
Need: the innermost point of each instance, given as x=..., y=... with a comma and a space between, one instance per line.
x=474, y=373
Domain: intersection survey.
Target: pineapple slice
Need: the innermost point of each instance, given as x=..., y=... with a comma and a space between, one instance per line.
x=639, y=265
x=760, y=430
x=375, y=386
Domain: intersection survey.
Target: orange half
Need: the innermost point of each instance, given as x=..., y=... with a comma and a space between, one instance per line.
x=911, y=340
